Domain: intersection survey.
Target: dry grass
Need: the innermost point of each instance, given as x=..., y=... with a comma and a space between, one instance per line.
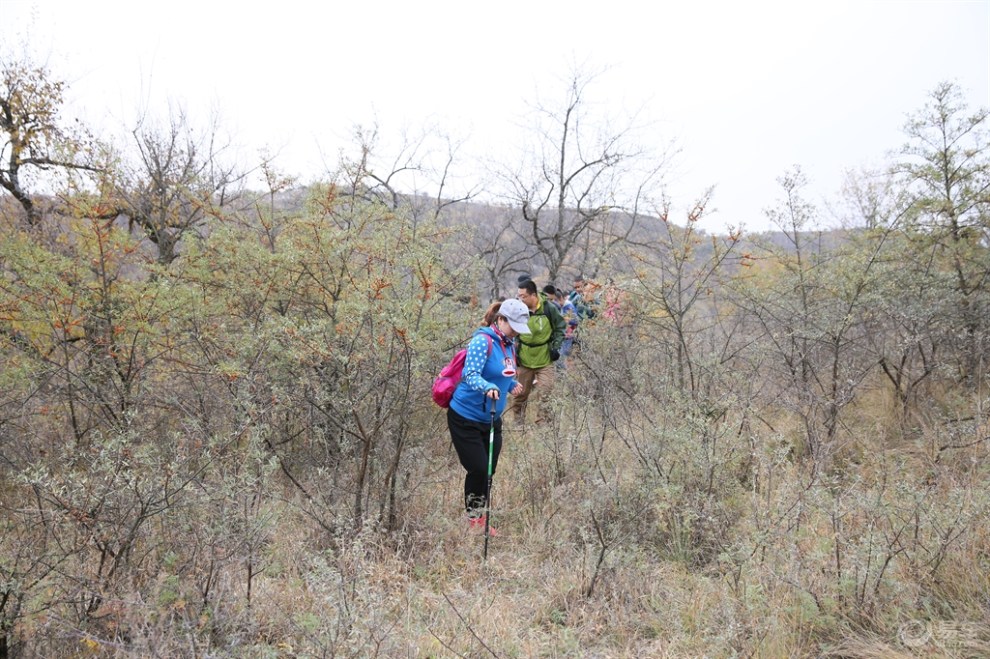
x=598, y=556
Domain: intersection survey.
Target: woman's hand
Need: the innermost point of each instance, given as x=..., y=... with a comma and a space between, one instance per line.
x=492, y=393
x=516, y=390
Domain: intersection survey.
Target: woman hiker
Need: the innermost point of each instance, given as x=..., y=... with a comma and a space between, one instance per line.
x=489, y=375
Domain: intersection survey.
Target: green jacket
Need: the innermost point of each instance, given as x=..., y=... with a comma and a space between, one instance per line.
x=546, y=327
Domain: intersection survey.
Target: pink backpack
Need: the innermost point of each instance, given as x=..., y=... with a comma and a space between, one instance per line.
x=450, y=376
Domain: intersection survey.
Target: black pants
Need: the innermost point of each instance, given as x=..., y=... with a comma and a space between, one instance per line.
x=470, y=440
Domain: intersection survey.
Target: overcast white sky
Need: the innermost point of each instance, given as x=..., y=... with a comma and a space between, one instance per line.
x=747, y=90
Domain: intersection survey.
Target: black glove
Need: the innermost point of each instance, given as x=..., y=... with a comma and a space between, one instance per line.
x=554, y=354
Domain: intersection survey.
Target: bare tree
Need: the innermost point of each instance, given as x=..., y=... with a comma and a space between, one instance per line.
x=177, y=181
x=584, y=178
x=678, y=268
x=493, y=242
x=418, y=174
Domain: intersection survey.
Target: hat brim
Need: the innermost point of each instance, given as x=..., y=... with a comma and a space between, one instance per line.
x=520, y=328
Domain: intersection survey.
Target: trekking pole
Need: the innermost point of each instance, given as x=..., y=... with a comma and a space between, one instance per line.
x=488, y=493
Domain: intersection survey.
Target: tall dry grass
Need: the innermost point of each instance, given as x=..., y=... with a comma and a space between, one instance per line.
x=638, y=523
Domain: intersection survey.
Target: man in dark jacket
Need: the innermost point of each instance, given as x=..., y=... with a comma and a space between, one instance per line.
x=537, y=350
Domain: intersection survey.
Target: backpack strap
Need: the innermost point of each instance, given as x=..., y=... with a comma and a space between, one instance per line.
x=487, y=355
x=489, y=337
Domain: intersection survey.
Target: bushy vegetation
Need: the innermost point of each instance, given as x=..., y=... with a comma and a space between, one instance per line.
x=776, y=447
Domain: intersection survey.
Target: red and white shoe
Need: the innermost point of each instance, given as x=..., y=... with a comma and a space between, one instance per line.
x=478, y=523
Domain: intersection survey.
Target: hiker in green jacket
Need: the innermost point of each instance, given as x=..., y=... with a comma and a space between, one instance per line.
x=537, y=350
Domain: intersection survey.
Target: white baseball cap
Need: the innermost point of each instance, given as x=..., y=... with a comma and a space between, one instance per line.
x=517, y=314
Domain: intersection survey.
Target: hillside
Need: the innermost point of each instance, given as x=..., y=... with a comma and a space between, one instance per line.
x=234, y=454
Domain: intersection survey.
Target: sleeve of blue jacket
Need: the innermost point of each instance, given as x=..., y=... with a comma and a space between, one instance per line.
x=474, y=363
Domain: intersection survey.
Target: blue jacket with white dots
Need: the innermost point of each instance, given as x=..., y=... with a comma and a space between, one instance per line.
x=484, y=370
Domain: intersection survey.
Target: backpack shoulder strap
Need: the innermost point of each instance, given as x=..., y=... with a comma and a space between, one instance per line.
x=487, y=336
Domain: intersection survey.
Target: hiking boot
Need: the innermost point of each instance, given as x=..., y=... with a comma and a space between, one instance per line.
x=478, y=523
